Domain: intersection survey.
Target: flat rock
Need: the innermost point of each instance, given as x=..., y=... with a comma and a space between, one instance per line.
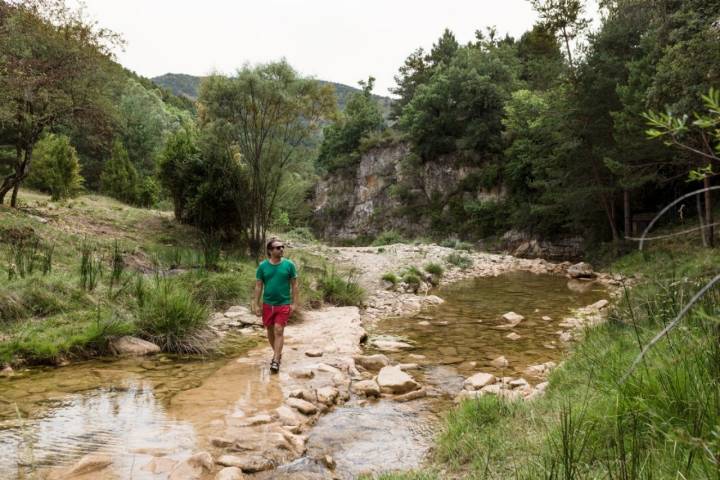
x=87, y=464
x=192, y=468
x=315, y=352
x=302, y=373
x=414, y=395
x=390, y=345
x=304, y=393
x=246, y=463
x=513, y=318
x=394, y=380
x=230, y=473
x=303, y=406
x=372, y=362
x=600, y=304
x=513, y=336
x=288, y=416
x=369, y=388
x=479, y=380
x=221, y=442
x=259, y=419
x=500, y=362
x=546, y=318
x=128, y=345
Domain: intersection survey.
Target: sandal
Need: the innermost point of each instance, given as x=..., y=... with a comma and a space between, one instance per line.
x=274, y=367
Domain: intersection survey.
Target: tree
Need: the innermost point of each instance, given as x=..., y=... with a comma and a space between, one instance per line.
x=268, y=113
x=120, y=178
x=565, y=19
x=49, y=59
x=541, y=58
x=57, y=168
x=341, y=139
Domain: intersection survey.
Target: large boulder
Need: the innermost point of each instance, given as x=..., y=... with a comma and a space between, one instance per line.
x=394, y=380
x=132, y=346
x=580, y=270
x=372, y=362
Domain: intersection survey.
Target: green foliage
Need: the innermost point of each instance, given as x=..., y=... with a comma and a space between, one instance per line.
x=301, y=234
x=434, y=269
x=172, y=319
x=388, y=237
x=390, y=277
x=91, y=266
x=120, y=178
x=341, y=140
x=459, y=260
x=412, y=279
x=219, y=290
x=57, y=168
x=340, y=291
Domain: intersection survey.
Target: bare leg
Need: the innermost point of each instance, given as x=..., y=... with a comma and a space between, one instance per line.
x=279, y=340
x=271, y=337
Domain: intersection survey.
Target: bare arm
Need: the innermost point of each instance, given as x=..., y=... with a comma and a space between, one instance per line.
x=257, y=296
x=295, y=294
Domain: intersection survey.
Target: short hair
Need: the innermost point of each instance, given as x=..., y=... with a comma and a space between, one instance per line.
x=269, y=244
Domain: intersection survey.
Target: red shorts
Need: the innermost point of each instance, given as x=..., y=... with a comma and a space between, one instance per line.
x=275, y=314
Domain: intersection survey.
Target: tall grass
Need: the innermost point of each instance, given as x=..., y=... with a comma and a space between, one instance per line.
x=459, y=260
x=172, y=319
x=340, y=291
x=90, y=266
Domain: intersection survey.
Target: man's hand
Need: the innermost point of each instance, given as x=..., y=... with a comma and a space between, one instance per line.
x=257, y=310
x=293, y=308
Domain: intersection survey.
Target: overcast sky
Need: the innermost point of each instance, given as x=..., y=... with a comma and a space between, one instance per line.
x=335, y=40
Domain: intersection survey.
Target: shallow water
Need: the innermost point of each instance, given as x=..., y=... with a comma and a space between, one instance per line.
x=136, y=408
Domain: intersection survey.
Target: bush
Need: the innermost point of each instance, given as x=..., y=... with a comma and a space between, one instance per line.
x=340, y=291
x=56, y=168
x=172, y=319
x=301, y=234
x=456, y=244
x=388, y=237
x=434, y=269
x=390, y=277
x=459, y=260
x=120, y=178
x=218, y=290
x=413, y=280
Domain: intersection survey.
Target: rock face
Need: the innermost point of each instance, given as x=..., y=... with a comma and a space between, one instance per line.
x=523, y=245
x=132, y=346
x=353, y=203
x=394, y=380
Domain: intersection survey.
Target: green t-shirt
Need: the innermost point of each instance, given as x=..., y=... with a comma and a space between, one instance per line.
x=276, y=280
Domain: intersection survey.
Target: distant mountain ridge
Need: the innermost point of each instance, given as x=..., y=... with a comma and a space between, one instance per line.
x=184, y=85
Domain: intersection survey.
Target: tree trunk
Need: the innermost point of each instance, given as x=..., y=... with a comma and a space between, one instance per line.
x=708, y=213
x=626, y=209
x=13, y=198
x=703, y=232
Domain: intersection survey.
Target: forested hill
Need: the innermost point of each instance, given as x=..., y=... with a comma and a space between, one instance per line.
x=185, y=85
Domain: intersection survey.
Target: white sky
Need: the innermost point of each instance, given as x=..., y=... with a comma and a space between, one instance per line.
x=333, y=40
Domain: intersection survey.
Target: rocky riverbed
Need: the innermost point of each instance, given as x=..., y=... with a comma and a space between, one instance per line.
x=247, y=423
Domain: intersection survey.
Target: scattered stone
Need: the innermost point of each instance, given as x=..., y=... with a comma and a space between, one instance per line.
x=314, y=353
x=7, y=371
x=246, y=463
x=329, y=462
x=372, y=362
x=417, y=356
x=302, y=373
x=327, y=395
x=408, y=366
x=493, y=389
x=479, y=380
x=259, y=419
x=390, y=345
x=394, y=380
x=518, y=382
x=305, y=394
x=546, y=318
x=414, y=395
x=369, y=388
x=581, y=270
x=467, y=395
x=500, y=362
x=192, y=468
x=565, y=336
x=424, y=323
x=230, y=473
x=128, y=345
x=513, y=336
x=89, y=463
x=221, y=442
x=288, y=416
x=599, y=305
x=513, y=318
x=302, y=406
x=433, y=300
x=542, y=386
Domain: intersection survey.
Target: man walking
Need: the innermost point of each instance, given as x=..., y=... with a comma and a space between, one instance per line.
x=276, y=280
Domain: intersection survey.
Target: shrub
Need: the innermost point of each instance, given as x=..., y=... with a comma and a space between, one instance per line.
x=218, y=290
x=390, y=277
x=301, y=234
x=172, y=319
x=388, y=237
x=340, y=291
x=56, y=168
x=459, y=260
x=120, y=178
x=413, y=280
x=434, y=269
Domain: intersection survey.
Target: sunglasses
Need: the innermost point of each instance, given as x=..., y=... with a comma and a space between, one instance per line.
x=278, y=247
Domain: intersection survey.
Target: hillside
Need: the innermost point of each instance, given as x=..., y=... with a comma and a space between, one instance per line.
x=187, y=86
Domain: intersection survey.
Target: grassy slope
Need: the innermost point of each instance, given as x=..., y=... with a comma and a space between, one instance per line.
x=46, y=318
x=661, y=423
